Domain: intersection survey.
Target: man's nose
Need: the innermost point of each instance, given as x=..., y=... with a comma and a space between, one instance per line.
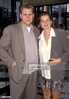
x=27, y=16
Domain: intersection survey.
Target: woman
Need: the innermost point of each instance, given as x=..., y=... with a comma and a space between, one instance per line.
x=54, y=51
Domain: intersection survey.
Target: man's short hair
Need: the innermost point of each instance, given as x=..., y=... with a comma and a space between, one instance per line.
x=27, y=6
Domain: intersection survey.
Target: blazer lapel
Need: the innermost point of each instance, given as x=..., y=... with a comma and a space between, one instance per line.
x=35, y=34
x=37, y=41
x=53, y=47
x=21, y=37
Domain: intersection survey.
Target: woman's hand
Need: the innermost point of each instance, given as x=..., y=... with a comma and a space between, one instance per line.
x=53, y=61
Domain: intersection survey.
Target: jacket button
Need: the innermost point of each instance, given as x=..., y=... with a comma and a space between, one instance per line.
x=22, y=67
x=23, y=60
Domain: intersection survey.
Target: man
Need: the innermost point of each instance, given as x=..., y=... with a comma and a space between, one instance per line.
x=18, y=48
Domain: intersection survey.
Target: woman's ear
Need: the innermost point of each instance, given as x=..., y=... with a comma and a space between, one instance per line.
x=51, y=23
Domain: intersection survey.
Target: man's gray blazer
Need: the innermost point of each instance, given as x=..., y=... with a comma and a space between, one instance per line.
x=12, y=49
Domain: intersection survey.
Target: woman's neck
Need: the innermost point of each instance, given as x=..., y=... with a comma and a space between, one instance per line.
x=47, y=31
x=47, y=34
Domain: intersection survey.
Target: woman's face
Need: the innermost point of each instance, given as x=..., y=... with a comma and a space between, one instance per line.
x=45, y=22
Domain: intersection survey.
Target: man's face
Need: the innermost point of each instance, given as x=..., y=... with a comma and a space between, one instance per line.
x=27, y=16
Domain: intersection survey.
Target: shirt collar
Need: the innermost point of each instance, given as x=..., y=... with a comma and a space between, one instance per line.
x=41, y=35
x=25, y=28
x=52, y=34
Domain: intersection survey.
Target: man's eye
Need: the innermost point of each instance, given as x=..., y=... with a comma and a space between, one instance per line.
x=30, y=14
x=24, y=14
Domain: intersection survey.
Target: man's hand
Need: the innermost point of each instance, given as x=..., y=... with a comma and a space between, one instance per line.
x=53, y=61
x=14, y=64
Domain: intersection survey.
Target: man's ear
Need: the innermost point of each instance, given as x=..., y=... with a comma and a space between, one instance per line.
x=20, y=15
